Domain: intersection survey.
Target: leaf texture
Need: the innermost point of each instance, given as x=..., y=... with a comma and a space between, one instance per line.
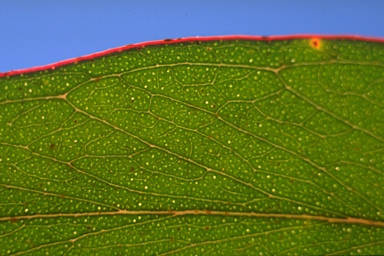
x=231, y=146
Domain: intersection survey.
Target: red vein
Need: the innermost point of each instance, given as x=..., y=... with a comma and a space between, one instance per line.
x=348, y=220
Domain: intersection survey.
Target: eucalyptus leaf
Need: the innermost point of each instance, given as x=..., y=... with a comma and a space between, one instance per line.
x=220, y=146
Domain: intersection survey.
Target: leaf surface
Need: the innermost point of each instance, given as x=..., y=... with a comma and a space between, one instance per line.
x=206, y=147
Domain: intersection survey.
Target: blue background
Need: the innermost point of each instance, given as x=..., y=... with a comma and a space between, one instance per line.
x=40, y=32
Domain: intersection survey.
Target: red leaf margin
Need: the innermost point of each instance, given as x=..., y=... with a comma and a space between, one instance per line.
x=184, y=40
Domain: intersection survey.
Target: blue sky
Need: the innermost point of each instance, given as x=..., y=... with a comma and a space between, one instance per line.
x=41, y=32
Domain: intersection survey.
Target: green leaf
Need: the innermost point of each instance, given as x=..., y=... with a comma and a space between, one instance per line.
x=213, y=147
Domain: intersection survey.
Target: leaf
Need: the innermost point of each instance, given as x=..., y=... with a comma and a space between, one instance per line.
x=221, y=146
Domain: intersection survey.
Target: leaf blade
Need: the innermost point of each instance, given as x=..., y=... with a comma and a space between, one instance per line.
x=192, y=136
